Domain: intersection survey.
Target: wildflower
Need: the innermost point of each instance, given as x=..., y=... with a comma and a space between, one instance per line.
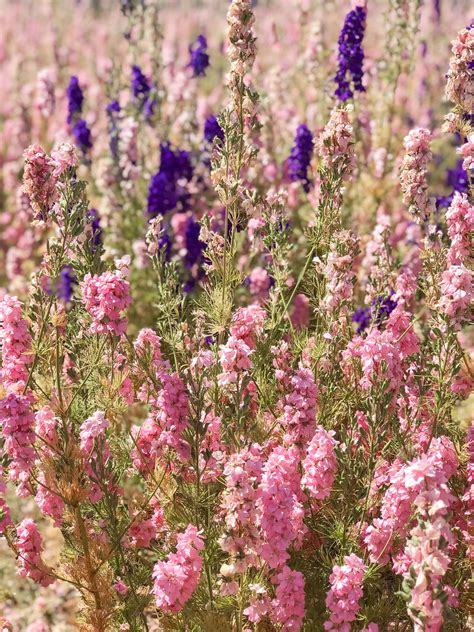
x=105, y=297
x=320, y=464
x=287, y=608
x=242, y=48
x=175, y=579
x=75, y=99
x=460, y=221
x=140, y=85
x=279, y=504
x=299, y=408
x=345, y=593
x=29, y=546
x=95, y=228
x=39, y=180
x=351, y=54
x=336, y=143
x=300, y=156
x=199, y=58
x=66, y=283
x=92, y=428
x=82, y=135
x=166, y=191
x=413, y=174
x=15, y=341
x=17, y=422
x=212, y=129
x=460, y=84
x=456, y=292
x=467, y=153
x=63, y=157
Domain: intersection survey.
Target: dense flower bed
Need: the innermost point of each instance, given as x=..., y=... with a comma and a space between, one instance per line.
x=236, y=315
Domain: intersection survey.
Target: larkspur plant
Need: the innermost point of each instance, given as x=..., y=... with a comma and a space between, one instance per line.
x=236, y=348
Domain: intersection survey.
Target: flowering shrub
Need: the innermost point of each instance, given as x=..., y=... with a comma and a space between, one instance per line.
x=236, y=318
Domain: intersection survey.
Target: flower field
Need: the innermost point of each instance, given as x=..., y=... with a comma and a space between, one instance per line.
x=236, y=316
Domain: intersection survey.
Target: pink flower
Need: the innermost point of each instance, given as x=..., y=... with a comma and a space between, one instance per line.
x=176, y=578
x=467, y=153
x=105, y=298
x=300, y=313
x=320, y=464
x=29, y=545
x=456, y=293
x=413, y=174
x=247, y=324
x=280, y=507
x=343, y=598
x=39, y=181
x=17, y=421
x=62, y=158
x=287, y=609
x=91, y=429
x=234, y=357
x=121, y=587
x=460, y=221
x=298, y=418
x=15, y=341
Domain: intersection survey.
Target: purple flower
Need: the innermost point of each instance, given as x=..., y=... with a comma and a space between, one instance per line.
x=75, y=99
x=457, y=181
x=300, y=156
x=213, y=129
x=65, y=284
x=351, y=54
x=113, y=109
x=82, y=135
x=362, y=317
x=140, y=86
x=194, y=246
x=199, y=58
x=165, y=192
x=96, y=230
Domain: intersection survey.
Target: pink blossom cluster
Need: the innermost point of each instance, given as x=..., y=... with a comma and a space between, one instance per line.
x=467, y=154
x=105, y=298
x=247, y=324
x=29, y=545
x=280, y=506
x=165, y=424
x=457, y=293
x=92, y=428
x=460, y=84
x=176, y=578
x=45, y=100
x=345, y=593
x=413, y=174
x=339, y=271
x=46, y=430
x=336, y=143
x=406, y=482
x=234, y=357
x=39, y=181
x=15, y=341
x=49, y=503
x=379, y=357
x=460, y=221
x=17, y=423
x=287, y=608
x=298, y=418
x=243, y=474
x=320, y=464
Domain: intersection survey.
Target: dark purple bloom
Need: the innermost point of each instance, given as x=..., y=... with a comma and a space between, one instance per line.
x=96, y=230
x=382, y=307
x=165, y=192
x=378, y=312
x=140, y=86
x=362, y=317
x=437, y=9
x=213, y=129
x=65, y=284
x=457, y=180
x=194, y=246
x=75, y=99
x=82, y=135
x=300, y=156
x=113, y=109
x=199, y=58
x=351, y=54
